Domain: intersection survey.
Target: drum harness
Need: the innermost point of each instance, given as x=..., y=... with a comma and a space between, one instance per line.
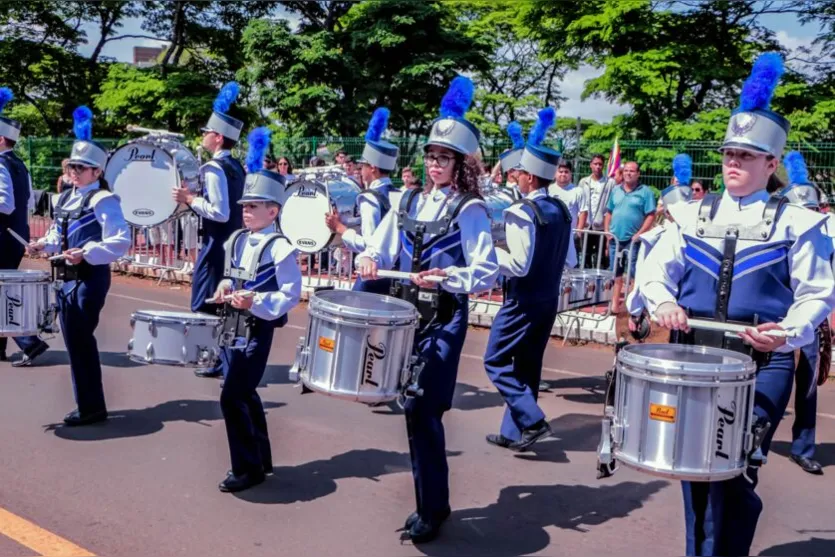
x=434, y=305
x=238, y=322
x=730, y=235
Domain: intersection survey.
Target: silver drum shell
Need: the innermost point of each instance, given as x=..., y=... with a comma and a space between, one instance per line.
x=27, y=299
x=358, y=345
x=683, y=412
x=179, y=339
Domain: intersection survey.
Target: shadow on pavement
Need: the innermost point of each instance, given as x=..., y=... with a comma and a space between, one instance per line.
x=814, y=547
x=316, y=479
x=515, y=524
x=467, y=397
x=824, y=453
x=52, y=358
x=145, y=421
x=595, y=388
x=570, y=432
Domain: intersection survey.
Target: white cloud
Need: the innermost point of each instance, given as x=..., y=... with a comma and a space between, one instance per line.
x=572, y=87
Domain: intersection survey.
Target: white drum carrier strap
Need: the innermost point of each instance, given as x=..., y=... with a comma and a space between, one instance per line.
x=761, y=232
x=230, y=271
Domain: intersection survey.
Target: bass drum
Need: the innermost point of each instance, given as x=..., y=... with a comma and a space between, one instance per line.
x=309, y=198
x=144, y=171
x=497, y=200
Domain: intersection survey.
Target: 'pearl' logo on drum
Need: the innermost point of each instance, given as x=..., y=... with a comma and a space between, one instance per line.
x=136, y=155
x=373, y=353
x=727, y=417
x=306, y=191
x=12, y=304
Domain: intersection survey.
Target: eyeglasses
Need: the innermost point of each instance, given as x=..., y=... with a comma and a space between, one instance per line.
x=441, y=160
x=285, y=163
x=78, y=168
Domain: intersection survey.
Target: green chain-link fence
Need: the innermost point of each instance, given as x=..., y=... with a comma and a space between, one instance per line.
x=44, y=156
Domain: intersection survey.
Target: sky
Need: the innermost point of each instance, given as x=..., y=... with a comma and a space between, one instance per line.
x=789, y=32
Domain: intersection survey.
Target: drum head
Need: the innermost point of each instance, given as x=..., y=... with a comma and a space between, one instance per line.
x=302, y=217
x=347, y=303
x=142, y=175
x=676, y=359
x=24, y=275
x=184, y=317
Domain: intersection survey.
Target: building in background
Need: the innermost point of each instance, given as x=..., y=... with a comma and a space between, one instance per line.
x=146, y=56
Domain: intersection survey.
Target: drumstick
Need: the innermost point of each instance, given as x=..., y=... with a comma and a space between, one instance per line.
x=732, y=328
x=57, y=257
x=242, y=293
x=18, y=237
x=407, y=276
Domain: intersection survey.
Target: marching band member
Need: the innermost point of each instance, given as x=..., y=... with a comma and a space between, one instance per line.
x=259, y=260
x=378, y=160
x=460, y=250
x=802, y=192
x=15, y=200
x=509, y=160
x=91, y=233
x=673, y=198
x=743, y=257
x=577, y=201
x=538, y=235
x=223, y=184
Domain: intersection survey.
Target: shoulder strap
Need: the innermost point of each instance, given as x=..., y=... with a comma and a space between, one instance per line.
x=538, y=216
x=229, y=249
x=383, y=200
x=458, y=204
x=62, y=198
x=266, y=244
x=709, y=206
x=406, y=202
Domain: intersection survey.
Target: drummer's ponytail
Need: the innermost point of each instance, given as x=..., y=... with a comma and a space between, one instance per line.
x=103, y=185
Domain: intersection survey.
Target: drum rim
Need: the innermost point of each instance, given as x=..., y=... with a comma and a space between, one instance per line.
x=31, y=275
x=319, y=302
x=630, y=357
x=199, y=319
x=628, y=460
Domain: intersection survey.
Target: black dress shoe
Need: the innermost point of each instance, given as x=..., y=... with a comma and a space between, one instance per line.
x=531, y=436
x=499, y=440
x=268, y=468
x=415, y=516
x=808, y=465
x=232, y=483
x=210, y=372
x=75, y=418
x=28, y=359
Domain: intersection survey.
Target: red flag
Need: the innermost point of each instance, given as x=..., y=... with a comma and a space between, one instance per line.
x=614, y=160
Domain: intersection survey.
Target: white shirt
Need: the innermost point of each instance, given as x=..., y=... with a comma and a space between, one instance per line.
x=812, y=279
x=116, y=240
x=595, y=189
x=370, y=217
x=481, y=268
x=634, y=301
x=271, y=305
x=577, y=201
x=520, y=233
x=215, y=206
x=7, y=206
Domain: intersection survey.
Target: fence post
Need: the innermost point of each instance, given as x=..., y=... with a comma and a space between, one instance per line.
x=577, y=148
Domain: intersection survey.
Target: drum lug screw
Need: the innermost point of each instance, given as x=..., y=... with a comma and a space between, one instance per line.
x=130, y=346
x=152, y=328
x=149, y=352
x=133, y=321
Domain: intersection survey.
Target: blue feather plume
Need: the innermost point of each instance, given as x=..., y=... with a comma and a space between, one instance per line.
x=514, y=130
x=760, y=85
x=82, y=126
x=377, y=125
x=683, y=169
x=544, y=122
x=5, y=96
x=796, y=168
x=228, y=94
x=259, y=142
x=458, y=98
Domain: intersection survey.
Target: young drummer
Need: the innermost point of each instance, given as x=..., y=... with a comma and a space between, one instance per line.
x=264, y=281
x=90, y=231
x=747, y=258
x=538, y=237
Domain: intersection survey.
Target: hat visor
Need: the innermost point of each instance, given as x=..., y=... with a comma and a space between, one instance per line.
x=255, y=199
x=743, y=147
x=85, y=162
x=429, y=144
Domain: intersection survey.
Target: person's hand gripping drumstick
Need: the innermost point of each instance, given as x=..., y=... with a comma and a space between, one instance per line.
x=366, y=268
x=761, y=340
x=222, y=292
x=182, y=195
x=422, y=280
x=74, y=256
x=333, y=222
x=671, y=316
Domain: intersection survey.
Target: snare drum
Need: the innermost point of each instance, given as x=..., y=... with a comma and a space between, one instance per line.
x=358, y=346
x=144, y=171
x=308, y=200
x=683, y=412
x=580, y=287
x=28, y=303
x=175, y=338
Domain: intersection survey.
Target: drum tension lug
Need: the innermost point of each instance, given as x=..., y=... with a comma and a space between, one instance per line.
x=300, y=361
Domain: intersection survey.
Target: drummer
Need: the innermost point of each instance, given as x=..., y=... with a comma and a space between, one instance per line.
x=538, y=230
x=379, y=158
x=465, y=258
x=673, y=198
x=15, y=201
x=223, y=184
x=277, y=284
x=784, y=283
x=803, y=193
x=90, y=231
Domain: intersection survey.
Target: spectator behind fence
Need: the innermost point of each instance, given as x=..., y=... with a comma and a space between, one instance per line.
x=285, y=168
x=410, y=181
x=577, y=201
x=629, y=213
x=699, y=190
x=598, y=187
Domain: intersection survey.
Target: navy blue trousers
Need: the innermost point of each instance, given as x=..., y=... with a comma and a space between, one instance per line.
x=79, y=306
x=243, y=412
x=439, y=346
x=721, y=517
x=11, y=261
x=378, y=286
x=805, y=401
x=208, y=272
x=513, y=360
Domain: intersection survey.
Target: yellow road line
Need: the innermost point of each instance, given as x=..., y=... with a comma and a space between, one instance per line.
x=37, y=539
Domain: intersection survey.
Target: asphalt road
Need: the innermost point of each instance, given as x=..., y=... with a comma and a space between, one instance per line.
x=144, y=483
